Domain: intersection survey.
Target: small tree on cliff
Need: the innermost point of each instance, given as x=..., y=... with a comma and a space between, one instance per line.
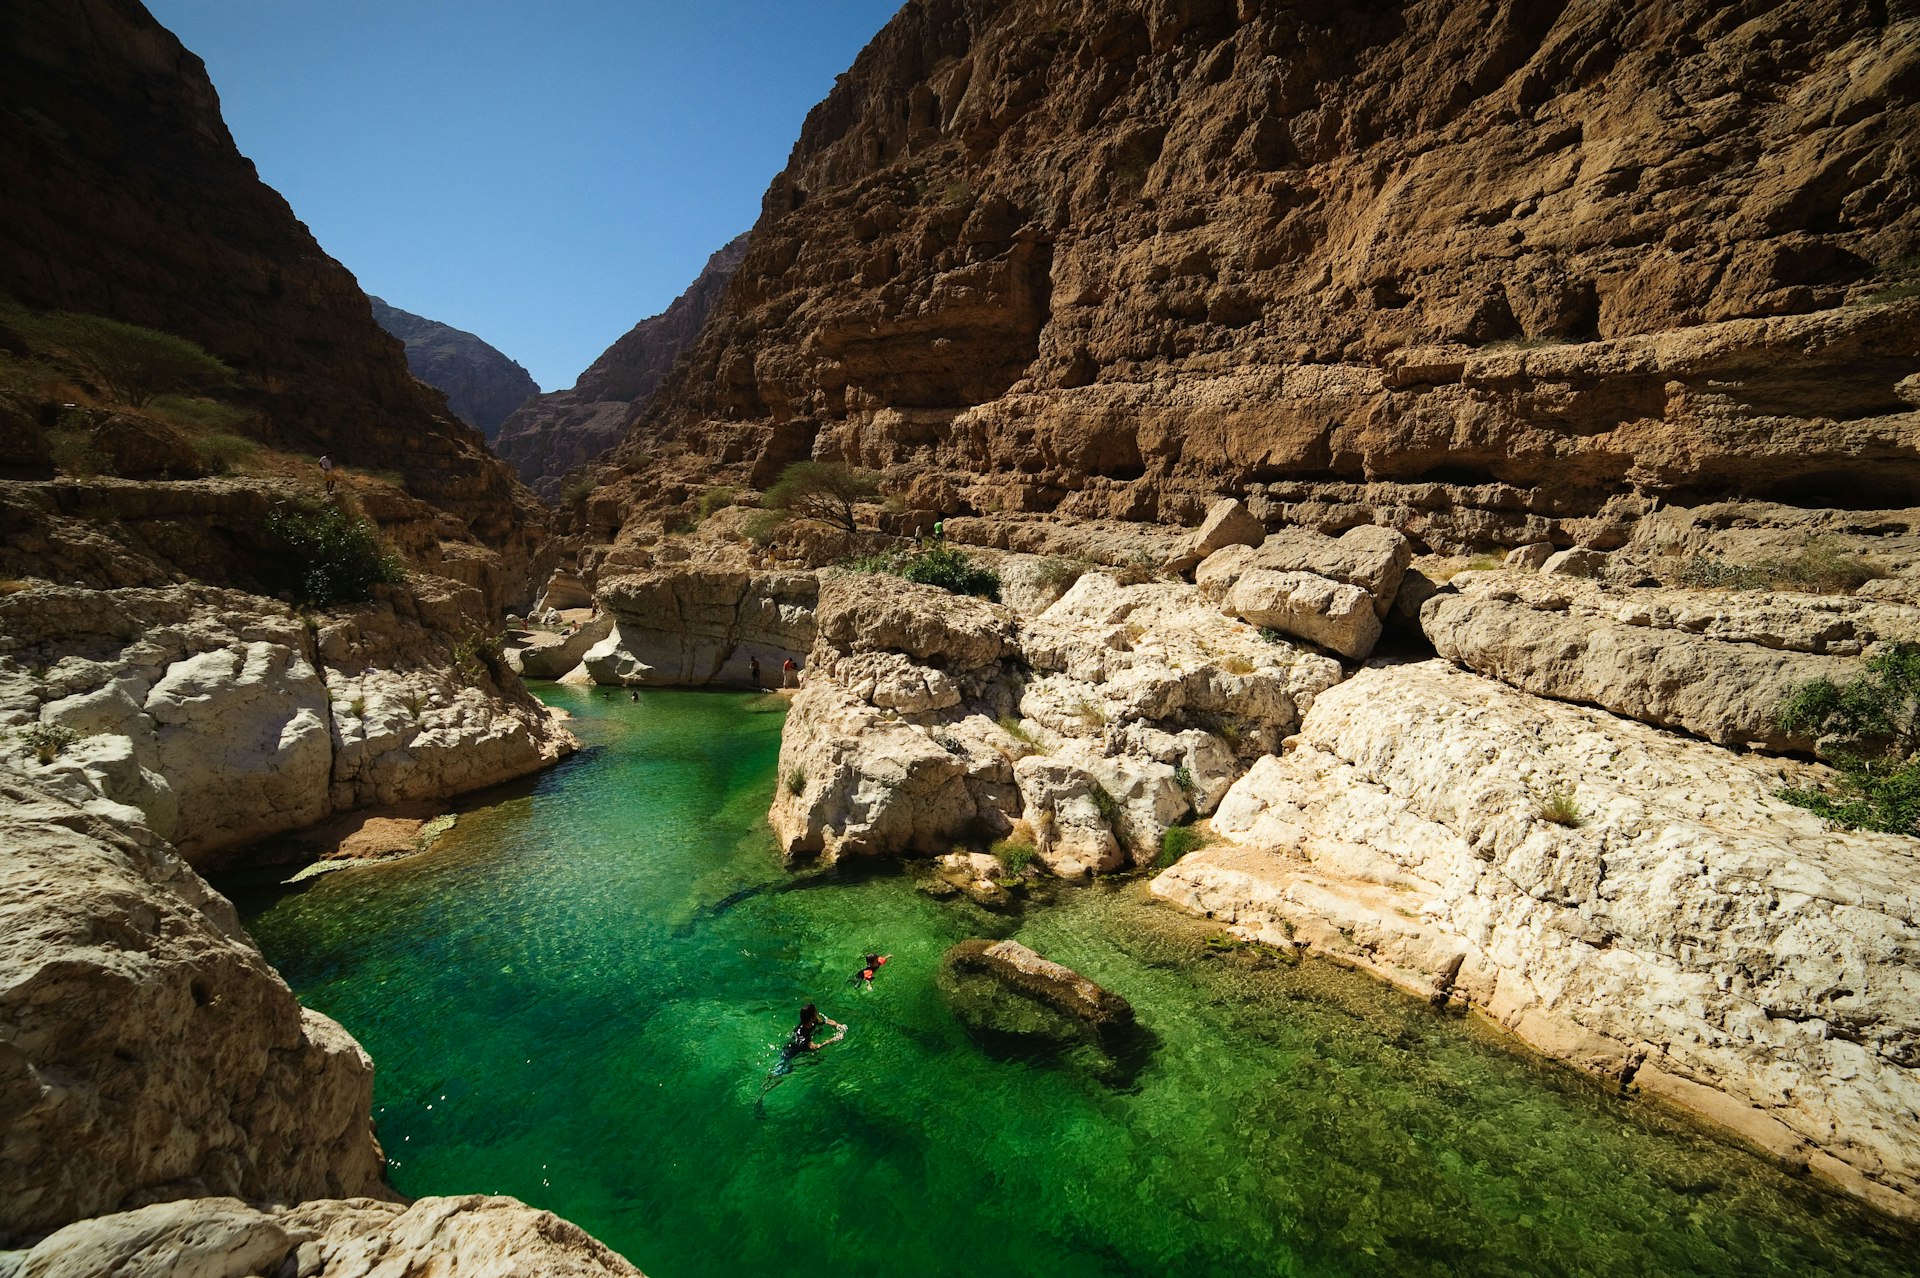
x=1874, y=722
x=824, y=491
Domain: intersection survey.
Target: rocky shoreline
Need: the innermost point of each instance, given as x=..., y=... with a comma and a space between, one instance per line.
x=1677, y=927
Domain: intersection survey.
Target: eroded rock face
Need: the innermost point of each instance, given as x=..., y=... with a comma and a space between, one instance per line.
x=151, y=1053
x=1114, y=259
x=695, y=625
x=1716, y=664
x=351, y=1238
x=215, y=718
x=1693, y=934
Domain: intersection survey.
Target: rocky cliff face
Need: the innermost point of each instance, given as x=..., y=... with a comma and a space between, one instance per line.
x=482, y=385
x=1526, y=264
x=559, y=432
x=126, y=197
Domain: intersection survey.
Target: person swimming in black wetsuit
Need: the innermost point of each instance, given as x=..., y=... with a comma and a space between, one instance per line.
x=798, y=1044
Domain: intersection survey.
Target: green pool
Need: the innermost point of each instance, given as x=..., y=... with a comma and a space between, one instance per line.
x=577, y=996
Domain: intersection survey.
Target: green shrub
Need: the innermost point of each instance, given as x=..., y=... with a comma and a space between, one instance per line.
x=221, y=453
x=1177, y=842
x=576, y=492
x=1878, y=715
x=1106, y=805
x=477, y=655
x=715, y=499
x=763, y=527
x=325, y=556
x=951, y=570
x=47, y=740
x=1014, y=855
x=1183, y=777
x=796, y=782
x=74, y=454
x=1015, y=728
x=126, y=362
x=1560, y=808
x=195, y=412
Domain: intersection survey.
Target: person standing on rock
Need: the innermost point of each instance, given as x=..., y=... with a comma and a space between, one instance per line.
x=326, y=471
x=753, y=670
x=790, y=674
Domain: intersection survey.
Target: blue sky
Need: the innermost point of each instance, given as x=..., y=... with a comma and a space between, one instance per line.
x=544, y=173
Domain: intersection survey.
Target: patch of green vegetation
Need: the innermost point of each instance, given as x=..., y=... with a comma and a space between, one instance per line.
x=936, y=565
x=1106, y=805
x=325, y=556
x=1183, y=777
x=223, y=454
x=125, y=362
x=1014, y=855
x=1822, y=566
x=48, y=740
x=1560, y=808
x=432, y=830
x=1270, y=635
x=1177, y=842
x=575, y=493
x=74, y=454
x=796, y=782
x=1014, y=727
x=1878, y=714
x=477, y=654
x=716, y=499
x=198, y=413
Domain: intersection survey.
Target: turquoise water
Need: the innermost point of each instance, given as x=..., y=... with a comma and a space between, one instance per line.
x=577, y=996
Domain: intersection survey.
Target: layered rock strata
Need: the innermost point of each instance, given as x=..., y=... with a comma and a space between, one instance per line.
x=1493, y=274
x=562, y=431
x=150, y=1051
x=1637, y=903
x=482, y=386
x=700, y=625
x=1715, y=665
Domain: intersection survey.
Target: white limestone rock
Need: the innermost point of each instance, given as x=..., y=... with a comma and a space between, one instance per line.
x=150, y=1051
x=1694, y=933
x=1715, y=664
x=1330, y=613
x=1228, y=523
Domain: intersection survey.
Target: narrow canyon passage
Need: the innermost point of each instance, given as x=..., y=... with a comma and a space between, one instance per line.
x=576, y=998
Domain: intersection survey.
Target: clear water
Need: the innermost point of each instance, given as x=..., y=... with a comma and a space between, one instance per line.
x=577, y=996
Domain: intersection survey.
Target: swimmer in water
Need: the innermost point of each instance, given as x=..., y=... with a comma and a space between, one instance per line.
x=798, y=1044
x=872, y=965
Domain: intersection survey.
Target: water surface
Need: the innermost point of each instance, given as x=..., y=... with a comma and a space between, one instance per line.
x=577, y=996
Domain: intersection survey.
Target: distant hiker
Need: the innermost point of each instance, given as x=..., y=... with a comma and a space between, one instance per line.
x=873, y=962
x=326, y=469
x=939, y=529
x=753, y=670
x=790, y=674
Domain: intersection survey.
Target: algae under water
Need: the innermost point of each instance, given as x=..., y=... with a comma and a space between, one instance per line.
x=576, y=997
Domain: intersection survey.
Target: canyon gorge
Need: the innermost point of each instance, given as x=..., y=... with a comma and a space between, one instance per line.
x=1385, y=476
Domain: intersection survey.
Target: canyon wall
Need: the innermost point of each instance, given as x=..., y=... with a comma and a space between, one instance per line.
x=561, y=431
x=1537, y=266
x=482, y=385
x=125, y=197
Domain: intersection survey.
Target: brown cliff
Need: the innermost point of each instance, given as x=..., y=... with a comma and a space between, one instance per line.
x=551, y=435
x=126, y=197
x=1526, y=263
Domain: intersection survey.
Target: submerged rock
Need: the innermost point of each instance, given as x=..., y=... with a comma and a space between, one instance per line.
x=1004, y=988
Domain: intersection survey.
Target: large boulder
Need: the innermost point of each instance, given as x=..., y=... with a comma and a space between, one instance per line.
x=875, y=612
x=1637, y=903
x=1228, y=523
x=150, y=1051
x=692, y=625
x=1333, y=614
